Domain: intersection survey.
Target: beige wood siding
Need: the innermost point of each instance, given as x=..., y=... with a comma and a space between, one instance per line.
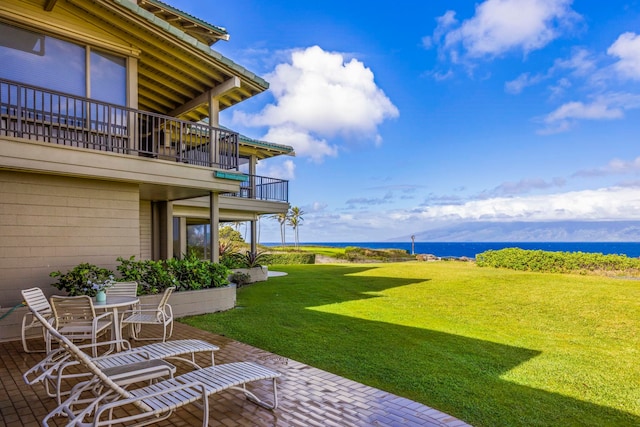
x=145, y=230
x=50, y=223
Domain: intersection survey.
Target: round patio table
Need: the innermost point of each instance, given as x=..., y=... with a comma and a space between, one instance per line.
x=114, y=303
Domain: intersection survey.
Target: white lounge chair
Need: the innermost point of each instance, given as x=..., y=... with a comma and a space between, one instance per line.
x=150, y=404
x=51, y=372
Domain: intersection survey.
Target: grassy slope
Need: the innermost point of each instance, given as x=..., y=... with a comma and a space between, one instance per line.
x=492, y=347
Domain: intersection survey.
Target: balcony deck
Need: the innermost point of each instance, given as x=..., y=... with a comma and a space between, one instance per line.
x=308, y=396
x=39, y=114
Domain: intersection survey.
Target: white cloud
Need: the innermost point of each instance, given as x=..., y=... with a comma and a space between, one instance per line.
x=444, y=23
x=320, y=95
x=617, y=203
x=605, y=204
x=627, y=49
x=283, y=170
x=614, y=167
x=501, y=26
x=303, y=142
x=526, y=185
x=580, y=63
x=524, y=80
x=604, y=107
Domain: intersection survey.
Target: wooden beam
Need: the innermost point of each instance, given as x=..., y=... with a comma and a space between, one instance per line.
x=203, y=98
x=49, y=5
x=226, y=86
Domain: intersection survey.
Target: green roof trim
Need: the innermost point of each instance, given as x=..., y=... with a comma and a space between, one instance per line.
x=285, y=149
x=185, y=15
x=230, y=175
x=270, y=145
x=181, y=35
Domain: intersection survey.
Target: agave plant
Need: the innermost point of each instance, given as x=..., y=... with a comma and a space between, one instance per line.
x=250, y=259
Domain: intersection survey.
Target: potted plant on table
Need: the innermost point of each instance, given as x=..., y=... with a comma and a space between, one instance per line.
x=100, y=285
x=84, y=279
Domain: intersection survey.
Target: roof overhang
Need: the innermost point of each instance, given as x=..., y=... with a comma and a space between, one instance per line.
x=174, y=66
x=195, y=27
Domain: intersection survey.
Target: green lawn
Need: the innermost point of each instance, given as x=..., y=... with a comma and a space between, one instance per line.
x=491, y=347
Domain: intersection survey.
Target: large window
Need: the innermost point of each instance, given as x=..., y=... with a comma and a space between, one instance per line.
x=55, y=64
x=199, y=240
x=108, y=78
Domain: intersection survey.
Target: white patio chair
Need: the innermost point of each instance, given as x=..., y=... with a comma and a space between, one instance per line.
x=35, y=299
x=94, y=401
x=125, y=289
x=76, y=318
x=150, y=314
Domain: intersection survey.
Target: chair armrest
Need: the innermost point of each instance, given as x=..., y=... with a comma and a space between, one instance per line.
x=100, y=316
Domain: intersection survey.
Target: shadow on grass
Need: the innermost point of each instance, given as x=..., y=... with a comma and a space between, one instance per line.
x=455, y=374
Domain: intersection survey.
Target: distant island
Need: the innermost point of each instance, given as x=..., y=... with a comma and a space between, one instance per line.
x=521, y=231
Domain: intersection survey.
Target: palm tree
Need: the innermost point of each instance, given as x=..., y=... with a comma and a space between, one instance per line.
x=282, y=220
x=295, y=220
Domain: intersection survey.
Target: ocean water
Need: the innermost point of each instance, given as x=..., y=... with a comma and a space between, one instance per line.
x=470, y=249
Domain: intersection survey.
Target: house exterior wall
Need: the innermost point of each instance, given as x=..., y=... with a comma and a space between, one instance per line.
x=146, y=240
x=50, y=223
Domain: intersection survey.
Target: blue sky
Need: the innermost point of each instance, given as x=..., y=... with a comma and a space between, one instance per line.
x=407, y=116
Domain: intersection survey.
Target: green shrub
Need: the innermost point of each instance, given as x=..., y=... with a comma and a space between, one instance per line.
x=240, y=278
x=289, y=258
x=78, y=280
x=354, y=253
x=191, y=273
x=557, y=262
x=152, y=276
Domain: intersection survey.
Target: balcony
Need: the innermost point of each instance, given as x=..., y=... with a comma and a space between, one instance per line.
x=263, y=188
x=39, y=114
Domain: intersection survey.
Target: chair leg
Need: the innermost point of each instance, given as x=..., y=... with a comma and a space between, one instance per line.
x=23, y=334
x=170, y=328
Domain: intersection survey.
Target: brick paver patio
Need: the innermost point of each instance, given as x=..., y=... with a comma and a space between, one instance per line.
x=308, y=396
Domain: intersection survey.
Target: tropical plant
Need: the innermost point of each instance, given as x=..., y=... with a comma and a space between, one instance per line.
x=192, y=273
x=240, y=278
x=152, y=276
x=295, y=221
x=230, y=234
x=282, y=218
x=83, y=279
x=249, y=259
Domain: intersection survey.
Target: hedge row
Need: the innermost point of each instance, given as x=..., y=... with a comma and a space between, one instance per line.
x=354, y=253
x=289, y=258
x=557, y=262
x=153, y=277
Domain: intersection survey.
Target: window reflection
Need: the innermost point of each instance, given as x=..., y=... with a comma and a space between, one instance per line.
x=58, y=65
x=41, y=60
x=108, y=78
